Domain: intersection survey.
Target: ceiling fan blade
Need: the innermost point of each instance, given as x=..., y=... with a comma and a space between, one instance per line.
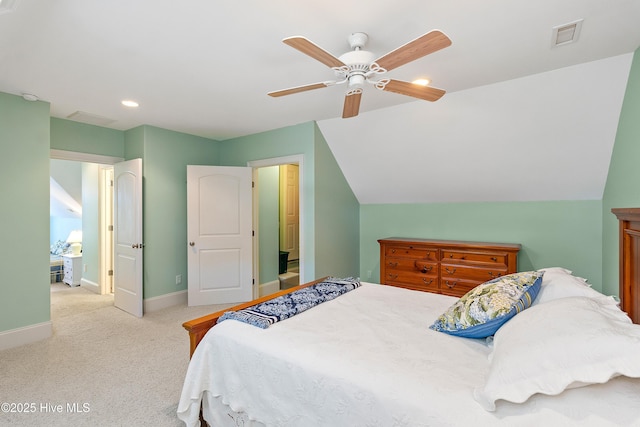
x=316, y=52
x=351, y=105
x=422, y=46
x=299, y=89
x=411, y=89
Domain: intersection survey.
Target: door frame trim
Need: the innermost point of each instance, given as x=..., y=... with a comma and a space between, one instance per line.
x=277, y=161
x=83, y=157
x=102, y=160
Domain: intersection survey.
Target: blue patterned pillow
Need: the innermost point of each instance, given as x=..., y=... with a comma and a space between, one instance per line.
x=59, y=247
x=482, y=310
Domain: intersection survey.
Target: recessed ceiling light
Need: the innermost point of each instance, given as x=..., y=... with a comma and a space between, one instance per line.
x=421, y=82
x=129, y=103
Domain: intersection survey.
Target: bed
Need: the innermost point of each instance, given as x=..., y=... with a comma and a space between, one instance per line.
x=56, y=263
x=370, y=358
x=56, y=269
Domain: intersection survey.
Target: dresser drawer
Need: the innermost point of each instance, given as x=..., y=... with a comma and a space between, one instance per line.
x=413, y=252
x=415, y=281
x=455, y=286
x=475, y=257
x=479, y=274
x=416, y=278
x=410, y=264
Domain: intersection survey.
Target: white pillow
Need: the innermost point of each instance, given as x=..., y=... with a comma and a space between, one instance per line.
x=558, y=282
x=566, y=343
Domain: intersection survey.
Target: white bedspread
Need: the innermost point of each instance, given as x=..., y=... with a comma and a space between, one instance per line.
x=369, y=359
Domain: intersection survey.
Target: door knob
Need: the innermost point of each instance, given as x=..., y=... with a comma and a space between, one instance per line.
x=134, y=246
x=192, y=243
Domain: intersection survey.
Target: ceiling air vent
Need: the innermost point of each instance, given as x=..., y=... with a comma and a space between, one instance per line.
x=92, y=119
x=566, y=33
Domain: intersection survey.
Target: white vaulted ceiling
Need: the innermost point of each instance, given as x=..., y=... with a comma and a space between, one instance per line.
x=522, y=120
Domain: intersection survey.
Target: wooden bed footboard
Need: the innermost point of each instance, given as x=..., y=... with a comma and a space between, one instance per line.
x=197, y=328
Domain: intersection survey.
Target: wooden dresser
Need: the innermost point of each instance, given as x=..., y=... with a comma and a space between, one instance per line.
x=444, y=266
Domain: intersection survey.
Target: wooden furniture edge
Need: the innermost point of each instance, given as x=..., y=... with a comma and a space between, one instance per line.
x=628, y=262
x=470, y=244
x=198, y=327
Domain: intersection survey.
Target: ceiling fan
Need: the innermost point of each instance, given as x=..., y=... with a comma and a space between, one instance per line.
x=359, y=66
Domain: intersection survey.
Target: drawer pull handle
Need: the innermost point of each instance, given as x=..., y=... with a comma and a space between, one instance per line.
x=393, y=264
x=494, y=275
x=462, y=257
x=393, y=276
x=423, y=268
x=494, y=259
x=427, y=282
x=450, y=285
x=451, y=271
x=393, y=251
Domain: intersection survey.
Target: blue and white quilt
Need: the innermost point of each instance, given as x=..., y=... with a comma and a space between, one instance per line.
x=283, y=307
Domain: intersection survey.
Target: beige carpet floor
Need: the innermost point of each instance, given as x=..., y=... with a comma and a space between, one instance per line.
x=101, y=367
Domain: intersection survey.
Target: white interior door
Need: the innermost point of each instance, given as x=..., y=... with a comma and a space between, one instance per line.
x=219, y=230
x=127, y=224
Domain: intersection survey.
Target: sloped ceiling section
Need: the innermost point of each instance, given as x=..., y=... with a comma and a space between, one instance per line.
x=65, y=186
x=547, y=136
x=61, y=204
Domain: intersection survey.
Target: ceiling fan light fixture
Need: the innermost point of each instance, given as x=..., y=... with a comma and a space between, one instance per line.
x=356, y=81
x=421, y=82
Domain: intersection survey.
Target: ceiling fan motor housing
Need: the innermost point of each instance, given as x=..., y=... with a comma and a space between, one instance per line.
x=358, y=62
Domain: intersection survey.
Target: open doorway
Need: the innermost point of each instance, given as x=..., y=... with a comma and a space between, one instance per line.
x=93, y=269
x=277, y=218
x=289, y=225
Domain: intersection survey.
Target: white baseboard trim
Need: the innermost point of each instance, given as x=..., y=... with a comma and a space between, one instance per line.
x=92, y=286
x=165, y=301
x=25, y=335
x=269, y=288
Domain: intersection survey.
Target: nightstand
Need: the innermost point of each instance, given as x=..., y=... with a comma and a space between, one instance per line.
x=72, y=269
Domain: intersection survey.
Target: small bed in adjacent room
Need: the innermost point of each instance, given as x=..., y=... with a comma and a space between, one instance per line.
x=56, y=269
x=526, y=349
x=56, y=263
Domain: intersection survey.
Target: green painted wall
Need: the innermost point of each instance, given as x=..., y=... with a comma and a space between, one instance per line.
x=24, y=212
x=83, y=138
x=165, y=155
x=562, y=233
x=90, y=223
x=134, y=143
x=622, y=189
x=337, y=217
x=293, y=140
